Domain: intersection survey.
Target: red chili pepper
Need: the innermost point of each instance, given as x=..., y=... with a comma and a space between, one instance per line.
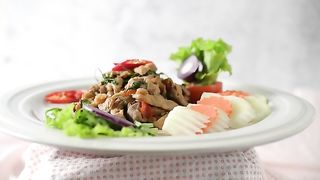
x=129, y=64
x=62, y=97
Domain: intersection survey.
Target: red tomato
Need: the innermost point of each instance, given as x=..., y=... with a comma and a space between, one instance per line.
x=129, y=64
x=62, y=97
x=197, y=90
x=146, y=110
x=129, y=92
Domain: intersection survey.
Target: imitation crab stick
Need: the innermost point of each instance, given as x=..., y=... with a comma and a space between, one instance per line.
x=242, y=112
x=236, y=93
x=215, y=112
x=218, y=102
x=195, y=119
x=209, y=111
x=218, y=120
x=258, y=102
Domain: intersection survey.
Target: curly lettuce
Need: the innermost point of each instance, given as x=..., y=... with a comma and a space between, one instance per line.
x=85, y=124
x=212, y=55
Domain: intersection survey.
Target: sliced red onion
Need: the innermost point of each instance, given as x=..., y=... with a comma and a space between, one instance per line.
x=189, y=68
x=109, y=117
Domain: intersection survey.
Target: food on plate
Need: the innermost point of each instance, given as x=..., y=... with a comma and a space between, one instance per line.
x=108, y=117
x=85, y=124
x=62, y=97
x=260, y=105
x=219, y=121
x=182, y=120
x=222, y=111
x=200, y=64
x=197, y=90
x=242, y=112
x=234, y=93
x=137, y=93
x=246, y=108
x=134, y=100
x=218, y=102
x=133, y=96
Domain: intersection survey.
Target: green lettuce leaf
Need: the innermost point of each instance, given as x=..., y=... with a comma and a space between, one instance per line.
x=213, y=56
x=85, y=124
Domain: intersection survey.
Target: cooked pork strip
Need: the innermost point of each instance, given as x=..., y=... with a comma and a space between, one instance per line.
x=159, y=123
x=142, y=70
x=134, y=112
x=154, y=100
x=175, y=92
x=121, y=93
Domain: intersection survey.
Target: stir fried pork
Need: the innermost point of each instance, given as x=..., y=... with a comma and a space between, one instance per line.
x=159, y=123
x=134, y=112
x=176, y=92
x=116, y=104
x=138, y=95
x=142, y=70
x=154, y=100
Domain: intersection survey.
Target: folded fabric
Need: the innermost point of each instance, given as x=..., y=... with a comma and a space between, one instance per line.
x=44, y=162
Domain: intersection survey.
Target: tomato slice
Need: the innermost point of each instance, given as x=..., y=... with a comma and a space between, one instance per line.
x=62, y=97
x=129, y=64
x=197, y=90
x=146, y=110
x=130, y=92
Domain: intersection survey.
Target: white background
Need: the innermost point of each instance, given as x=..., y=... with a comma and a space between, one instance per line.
x=275, y=43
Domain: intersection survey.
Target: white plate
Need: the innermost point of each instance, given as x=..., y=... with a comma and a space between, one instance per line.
x=18, y=112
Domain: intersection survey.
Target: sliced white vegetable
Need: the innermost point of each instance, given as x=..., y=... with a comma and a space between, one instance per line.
x=245, y=111
x=242, y=112
x=184, y=121
x=260, y=104
x=222, y=123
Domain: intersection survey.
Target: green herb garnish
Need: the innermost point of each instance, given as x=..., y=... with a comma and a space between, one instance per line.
x=107, y=78
x=136, y=85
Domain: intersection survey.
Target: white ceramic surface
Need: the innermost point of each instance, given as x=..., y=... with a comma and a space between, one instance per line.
x=21, y=114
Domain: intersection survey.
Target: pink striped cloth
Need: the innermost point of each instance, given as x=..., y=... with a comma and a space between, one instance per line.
x=44, y=162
